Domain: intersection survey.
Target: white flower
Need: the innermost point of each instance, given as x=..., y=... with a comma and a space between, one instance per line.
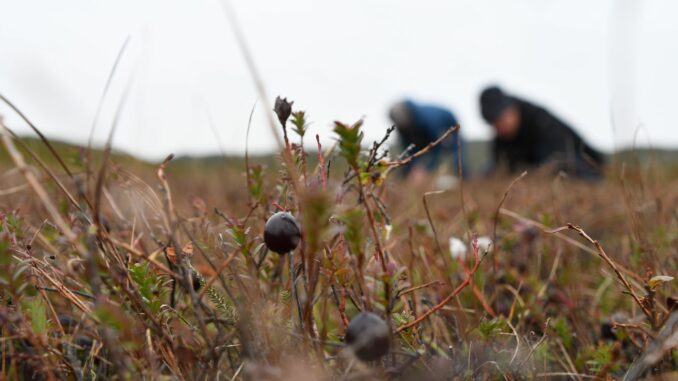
x=657, y=280
x=485, y=245
x=457, y=248
x=386, y=232
x=446, y=182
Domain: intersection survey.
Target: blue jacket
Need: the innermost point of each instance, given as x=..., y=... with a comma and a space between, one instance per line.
x=429, y=123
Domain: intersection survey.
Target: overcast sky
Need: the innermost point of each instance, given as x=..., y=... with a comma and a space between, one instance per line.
x=606, y=66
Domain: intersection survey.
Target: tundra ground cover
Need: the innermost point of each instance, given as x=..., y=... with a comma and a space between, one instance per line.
x=115, y=271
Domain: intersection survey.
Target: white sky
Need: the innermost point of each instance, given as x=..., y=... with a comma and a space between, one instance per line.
x=586, y=60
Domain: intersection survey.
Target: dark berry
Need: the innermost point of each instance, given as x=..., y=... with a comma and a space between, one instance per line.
x=368, y=336
x=196, y=279
x=83, y=345
x=607, y=332
x=84, y=342
x=282, y=233
x=106, y=225
x=672, y=303
x=67, y=323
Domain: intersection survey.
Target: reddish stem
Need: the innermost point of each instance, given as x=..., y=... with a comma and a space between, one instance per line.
x=321, y=162
x=455, y=292
x=476, y=291
x=342, y=307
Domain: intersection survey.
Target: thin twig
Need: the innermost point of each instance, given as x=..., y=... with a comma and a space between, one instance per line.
x=109, y=80
x=229, y=12
x=39, y=190
x=455, y=292
x=535, y=346
x=406, y=291
x=399, y=163
x=616, y=270
x=248, y=175
x=293, y=282
x=496, y=218
x=556, y=232
x=321, y=163
x=42, y=137
x=430, y=220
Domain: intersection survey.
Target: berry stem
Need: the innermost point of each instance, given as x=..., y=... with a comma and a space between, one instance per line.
x=293, y=280
x=321, y=163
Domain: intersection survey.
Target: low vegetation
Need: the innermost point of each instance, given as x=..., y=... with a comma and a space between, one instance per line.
x=111, y=269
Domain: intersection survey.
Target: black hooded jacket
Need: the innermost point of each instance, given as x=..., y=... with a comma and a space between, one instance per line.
x=544, y=139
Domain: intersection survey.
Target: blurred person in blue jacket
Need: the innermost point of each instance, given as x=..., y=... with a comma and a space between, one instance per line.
x=420, y=124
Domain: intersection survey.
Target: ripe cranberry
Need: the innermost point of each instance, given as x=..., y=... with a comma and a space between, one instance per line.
x=282, y=233
x=196, y=279
x=368, y=335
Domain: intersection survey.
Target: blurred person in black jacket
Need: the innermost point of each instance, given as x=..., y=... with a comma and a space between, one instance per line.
x=528, y=136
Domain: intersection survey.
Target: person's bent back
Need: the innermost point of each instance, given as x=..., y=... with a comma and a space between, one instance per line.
x=527, y=135
x=419, y=125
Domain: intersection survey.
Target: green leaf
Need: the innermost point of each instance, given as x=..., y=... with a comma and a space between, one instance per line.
x=148, y=284
x=350, y=141
x=354, y=220
x=37, y=313
x=490, y=328
x=564, y=332
x=299, y=122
